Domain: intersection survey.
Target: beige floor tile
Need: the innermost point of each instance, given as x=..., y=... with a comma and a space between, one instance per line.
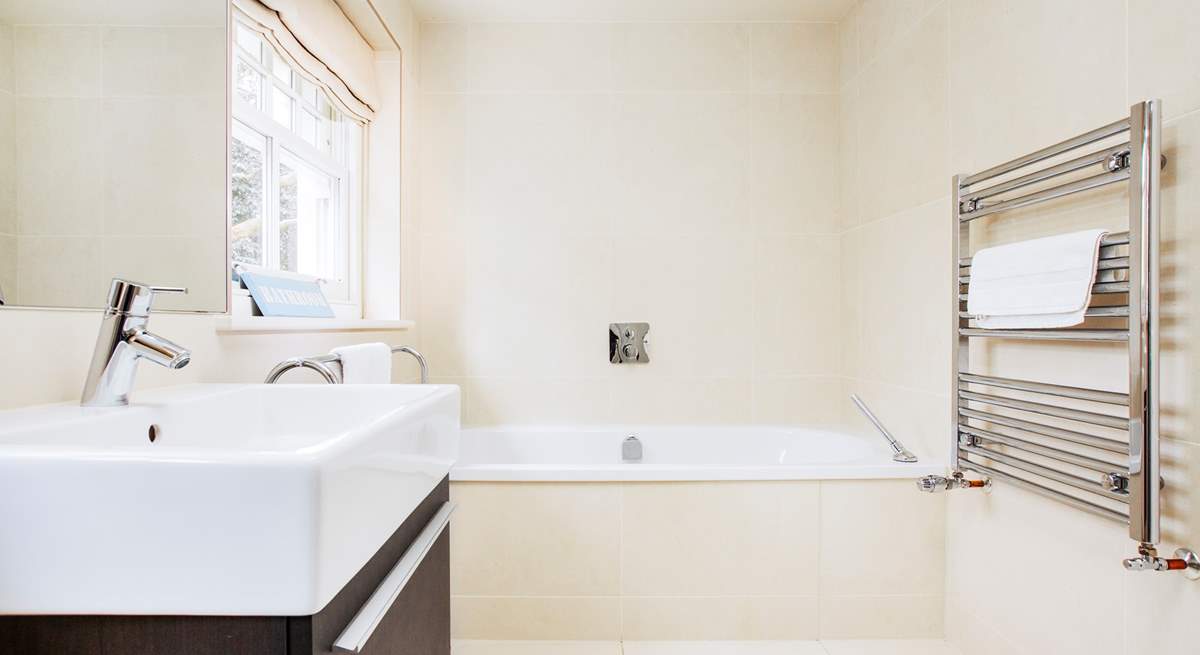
x=549, y=618
x=716, y=618
x=722, y=648
x=889, y=647
x=480, y=647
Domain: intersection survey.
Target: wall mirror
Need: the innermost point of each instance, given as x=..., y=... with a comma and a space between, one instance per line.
x=113, y=150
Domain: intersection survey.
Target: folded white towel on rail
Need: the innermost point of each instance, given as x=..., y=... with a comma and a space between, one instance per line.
x=1041, y=283
x=366, y=363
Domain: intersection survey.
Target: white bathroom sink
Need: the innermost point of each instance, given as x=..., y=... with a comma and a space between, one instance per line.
x=251, y=499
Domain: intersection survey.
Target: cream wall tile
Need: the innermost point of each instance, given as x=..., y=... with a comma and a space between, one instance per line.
x=8, y=268
x=163, y=61
x=681, y=57
x=444, y=61
x=62, y=61
x=850, y=186
x=6, y=58
x=443, y=282
x=858, y=516
x=794, y=162
x=795, y=308
x=540, y=57
x=720, y=618
x=794, y=57
x=808, y=400
x=59, y=148
x=884, y=23
x=128, y=12
x=1181, y=505
x=905, y=287
x=164, y=160
x=8, y=164
x=848, y=47
x=1050, y=94
x=637, y=398
x=60, y=271
x=538, y=162
x=442, y=169
x=536, y=304
x=881, y=617
x=903, y=136
x=550, y=401
x=1179, y=247
x=576, y=618
x=968, y=633
x=719, y=538
x=683, y=163
x=1162, y=49
x=851, y=277
x=695, y=291
x=535, y=539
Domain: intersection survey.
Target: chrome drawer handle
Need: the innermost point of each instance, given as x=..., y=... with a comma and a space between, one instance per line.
x=354, y=638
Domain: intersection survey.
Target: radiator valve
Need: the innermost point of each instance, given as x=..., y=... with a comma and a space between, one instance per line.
x=935, y=483
x=1148, y=560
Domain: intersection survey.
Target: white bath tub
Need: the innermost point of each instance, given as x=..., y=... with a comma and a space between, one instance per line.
x=678, y=453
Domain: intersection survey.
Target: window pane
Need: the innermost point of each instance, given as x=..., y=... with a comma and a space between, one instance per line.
x=249, y=168
x=308, y=127
x=280, y=69
x=308, y=91
x=310, y=237
x=249, y=84
x=281, y=107
x=249, y=40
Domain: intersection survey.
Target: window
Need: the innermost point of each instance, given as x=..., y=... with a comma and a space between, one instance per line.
x=295, y=172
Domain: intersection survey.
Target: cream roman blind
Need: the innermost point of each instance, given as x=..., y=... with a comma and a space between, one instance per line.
x=323, y=43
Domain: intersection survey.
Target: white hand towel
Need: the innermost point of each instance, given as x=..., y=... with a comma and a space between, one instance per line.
x=1041, y=283
x=366, y=363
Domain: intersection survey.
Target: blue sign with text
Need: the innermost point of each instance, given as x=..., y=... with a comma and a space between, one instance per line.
x=285, y=296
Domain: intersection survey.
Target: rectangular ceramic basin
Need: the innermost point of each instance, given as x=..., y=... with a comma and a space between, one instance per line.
x=249, y=500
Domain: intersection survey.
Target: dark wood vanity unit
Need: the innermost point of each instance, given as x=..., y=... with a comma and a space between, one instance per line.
x=418, y=622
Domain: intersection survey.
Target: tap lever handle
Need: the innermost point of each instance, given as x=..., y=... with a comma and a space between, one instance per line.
x=134, y=298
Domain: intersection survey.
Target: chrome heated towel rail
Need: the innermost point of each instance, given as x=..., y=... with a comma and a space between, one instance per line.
x=1093, y=449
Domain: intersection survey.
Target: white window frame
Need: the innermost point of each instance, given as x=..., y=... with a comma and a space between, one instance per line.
x=255, y=124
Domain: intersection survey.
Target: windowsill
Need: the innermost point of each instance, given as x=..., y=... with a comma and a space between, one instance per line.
x=280, y=324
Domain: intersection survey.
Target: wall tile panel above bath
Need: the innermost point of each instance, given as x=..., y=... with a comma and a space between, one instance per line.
x=532, y=57
x=903, y=141
x=793, y=57
x=683, y=164
x=658, y=57
x=794, y=161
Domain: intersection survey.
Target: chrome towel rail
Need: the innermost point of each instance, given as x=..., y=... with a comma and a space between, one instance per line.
x=329, y=366
x=1052, y=439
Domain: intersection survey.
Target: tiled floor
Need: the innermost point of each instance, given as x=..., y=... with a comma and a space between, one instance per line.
x=835, y=647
